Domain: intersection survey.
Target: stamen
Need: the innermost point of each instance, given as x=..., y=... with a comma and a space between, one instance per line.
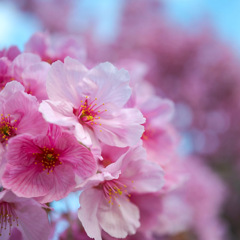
x=7, y=128
x=47, y=159
x=113, y=189
x=89, y=111
x=7, y=217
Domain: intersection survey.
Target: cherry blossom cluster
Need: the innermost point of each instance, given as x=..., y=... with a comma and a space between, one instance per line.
x=69, y=125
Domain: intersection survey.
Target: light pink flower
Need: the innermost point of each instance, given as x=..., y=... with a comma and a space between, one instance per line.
x=6, y=57
x=92, y=102
x=55, y=47
x=159, y=138
x=44, y=166
x=28, y=69
x=19, y=113
x=22, y=217
x=108, y=205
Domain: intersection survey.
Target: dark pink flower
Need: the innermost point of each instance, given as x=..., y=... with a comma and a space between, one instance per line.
x=45, y=166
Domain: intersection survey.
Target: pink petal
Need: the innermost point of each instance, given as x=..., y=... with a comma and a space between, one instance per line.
x=63, y=82
x=33, y=221
x=119, y=219
x=37, y=44
x=60, y=113
x=26, y=106
x=63, y=182
x=11, y=88
x=113, y=84
x=21, y=62
x=26, y=182
x=124, y=129
x=88, y=211
x=77, y=155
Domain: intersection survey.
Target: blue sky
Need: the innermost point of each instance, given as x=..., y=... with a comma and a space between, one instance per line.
x=223, y=15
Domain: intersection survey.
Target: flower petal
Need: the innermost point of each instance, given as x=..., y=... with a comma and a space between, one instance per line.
x=119, y=219
x=124, y=129
x=87, y=213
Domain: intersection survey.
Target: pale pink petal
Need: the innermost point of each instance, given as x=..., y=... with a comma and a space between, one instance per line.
x=37, y=44
x=64, y=81
x=29, y=212
x=123, y=129
x=26, y=108
x=60, y=113
x=119, y=219
x=157, y=110
x=87, y=213
x=34, y=79
x=21, y=62
x=11, y=88
x=82, y=133
x=113, y=84
x=140, y=175
x=33, y=221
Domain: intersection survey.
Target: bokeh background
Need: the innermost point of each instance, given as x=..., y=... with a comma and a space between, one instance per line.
x=192, y=48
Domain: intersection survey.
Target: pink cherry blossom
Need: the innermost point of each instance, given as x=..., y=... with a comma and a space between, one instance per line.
x=55, y=47
x=92, y=102
x=21, y=217
x=108, y=205
x=6, y=57
x=45, y=166
x=28, y=69
x=19, y=113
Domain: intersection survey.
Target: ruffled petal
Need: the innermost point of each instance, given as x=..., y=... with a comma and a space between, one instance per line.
x=63, y=81
x=60, y=113
x=113, y=84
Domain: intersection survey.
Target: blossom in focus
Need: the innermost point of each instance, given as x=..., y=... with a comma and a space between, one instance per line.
x=91, y=101
x=107, y=206
x=45, y=166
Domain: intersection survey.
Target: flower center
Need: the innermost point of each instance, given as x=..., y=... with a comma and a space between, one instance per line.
x=7, y=216
x=89, y=112
x=113, y=189
x=47, y=159
x=7, y=129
